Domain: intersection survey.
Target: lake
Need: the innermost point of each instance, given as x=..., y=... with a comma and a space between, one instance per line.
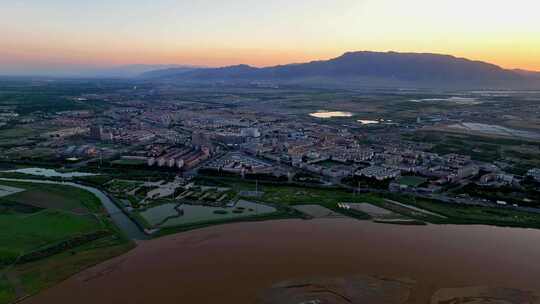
x=368, y=122
x=330, y=114
x=342, y=259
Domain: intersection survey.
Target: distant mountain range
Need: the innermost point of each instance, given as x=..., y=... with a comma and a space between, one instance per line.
x=364, y=67
x=89, y=71
x=134, y=70
x=528, y=73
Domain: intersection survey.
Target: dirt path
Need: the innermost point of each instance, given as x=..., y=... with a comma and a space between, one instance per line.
x=15, y=282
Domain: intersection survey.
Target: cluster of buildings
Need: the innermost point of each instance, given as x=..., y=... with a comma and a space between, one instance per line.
x=63, y=133
x=81, y=151
x=379, y=173
x=240, y=164
x=183, y=135
x=7, y=115
x=121, y=135
x=498, y=179
x=180, y=158
x=534, y=174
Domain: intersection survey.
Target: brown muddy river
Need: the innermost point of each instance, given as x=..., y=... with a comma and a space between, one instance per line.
x=316, y=262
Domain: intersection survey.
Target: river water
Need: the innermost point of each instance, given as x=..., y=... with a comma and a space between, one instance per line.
x=50, y=172
x=121, y=220
x=238, y=263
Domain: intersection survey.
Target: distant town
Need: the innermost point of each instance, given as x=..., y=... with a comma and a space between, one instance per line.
x=322, y=147
x=89, y=168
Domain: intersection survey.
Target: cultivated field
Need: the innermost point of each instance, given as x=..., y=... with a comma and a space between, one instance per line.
x=48, y=232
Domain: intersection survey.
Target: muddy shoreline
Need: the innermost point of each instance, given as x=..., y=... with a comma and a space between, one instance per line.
x=237, y=263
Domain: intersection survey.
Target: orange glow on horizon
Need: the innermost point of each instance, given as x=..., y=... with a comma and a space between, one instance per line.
x=254, y=57
x=212, y=33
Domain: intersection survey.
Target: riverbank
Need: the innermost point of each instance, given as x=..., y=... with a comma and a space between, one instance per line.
x=282, y=196
x=52, y=230
x=240, y=263
x=124, y=223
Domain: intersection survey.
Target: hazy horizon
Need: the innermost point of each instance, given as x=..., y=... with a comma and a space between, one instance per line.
x=135, y=69
x=63, y=37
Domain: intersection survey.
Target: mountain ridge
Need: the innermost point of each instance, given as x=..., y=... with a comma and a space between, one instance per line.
x=413, y=68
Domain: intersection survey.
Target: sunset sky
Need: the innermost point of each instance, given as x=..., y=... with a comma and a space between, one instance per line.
x=63, y=35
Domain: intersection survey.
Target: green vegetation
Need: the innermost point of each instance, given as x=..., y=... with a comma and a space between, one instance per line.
x=50, y=232
x=500, y=193
x=412, y=181
x=327, y=197
x=466, y=214
x=282, y=213
x=52, y=97
x=39, y=275
x=480, y=148
x=122, y=186
x=133, y=173
x=7, y=293
x=286, y=195
x=17, y=133
x=28, y=232
x=59, y=197
x=20, y=135
x=521, y=154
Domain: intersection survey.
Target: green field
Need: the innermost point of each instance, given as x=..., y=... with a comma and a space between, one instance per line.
x=7, y=293
x=51, y=97
x=287, y=195
x=122, y=186
x=465, y=214
x=412, y=181
x=27, y=232
x=521, y=154
x=58, y=197
x=17, y=136
x=49, y=232
x=329, y=198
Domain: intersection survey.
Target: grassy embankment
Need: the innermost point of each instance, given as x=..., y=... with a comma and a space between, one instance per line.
x=452, y=214
x=283, y=196
x=51, y=232
x=465, y=214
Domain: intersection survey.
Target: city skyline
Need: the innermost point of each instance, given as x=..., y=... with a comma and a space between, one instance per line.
x=56, y=36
